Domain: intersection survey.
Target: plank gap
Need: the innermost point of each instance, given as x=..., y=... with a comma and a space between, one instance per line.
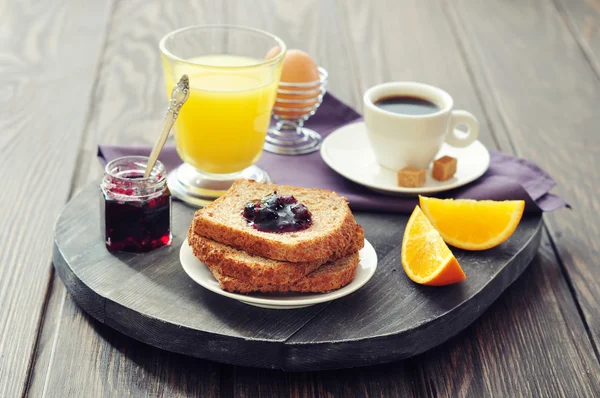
x=358, y=90
x=39, y=327
x=74, y=177
x=491, y=115
x=572, y=290
x=584, y=48
x=484, y=82
x=226, y=381
x=478, y=90
x=54, y=341
x=92, y=103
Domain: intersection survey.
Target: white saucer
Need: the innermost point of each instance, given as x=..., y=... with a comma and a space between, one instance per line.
x=348, y=152
x=200, y=273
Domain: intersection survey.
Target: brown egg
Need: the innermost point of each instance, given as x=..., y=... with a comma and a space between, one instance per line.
x=298, y=67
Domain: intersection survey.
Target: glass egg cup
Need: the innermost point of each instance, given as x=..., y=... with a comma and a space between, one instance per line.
x=295, y=104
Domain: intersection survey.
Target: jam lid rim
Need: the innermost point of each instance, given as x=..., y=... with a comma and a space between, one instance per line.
x=159, y=168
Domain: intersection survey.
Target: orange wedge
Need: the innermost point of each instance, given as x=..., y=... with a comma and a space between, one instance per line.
x=425, y=257
x=472, y=224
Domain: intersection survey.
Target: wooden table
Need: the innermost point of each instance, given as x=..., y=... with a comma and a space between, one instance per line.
x=78, y=73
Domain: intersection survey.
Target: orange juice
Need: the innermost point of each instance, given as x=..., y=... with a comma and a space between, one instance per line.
x=221, y=128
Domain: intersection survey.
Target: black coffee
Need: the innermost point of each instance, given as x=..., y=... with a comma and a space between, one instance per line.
x=407, y=105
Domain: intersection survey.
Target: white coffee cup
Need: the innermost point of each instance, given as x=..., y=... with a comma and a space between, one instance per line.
x=403, y=140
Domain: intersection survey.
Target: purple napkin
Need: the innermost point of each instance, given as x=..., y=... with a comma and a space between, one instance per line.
x=508, y=178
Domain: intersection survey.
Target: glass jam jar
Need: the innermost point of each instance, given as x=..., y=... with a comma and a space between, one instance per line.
x=136, y=210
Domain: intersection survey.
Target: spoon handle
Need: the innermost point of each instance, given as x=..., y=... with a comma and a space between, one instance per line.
x=179, y=95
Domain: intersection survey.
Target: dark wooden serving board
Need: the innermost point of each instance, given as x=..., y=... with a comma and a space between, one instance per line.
x=150, y=298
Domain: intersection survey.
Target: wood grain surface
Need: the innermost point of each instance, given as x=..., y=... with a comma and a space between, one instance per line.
x=554, y=122
x=583, y=19
x=488, y=54
x=38, y=152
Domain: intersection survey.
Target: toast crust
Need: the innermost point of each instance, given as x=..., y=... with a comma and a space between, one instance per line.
x=249, y=268
x=330, y=276
x=255, y=269
x=222, y=222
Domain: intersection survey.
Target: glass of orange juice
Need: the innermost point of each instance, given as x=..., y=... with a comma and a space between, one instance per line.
x=221, y=128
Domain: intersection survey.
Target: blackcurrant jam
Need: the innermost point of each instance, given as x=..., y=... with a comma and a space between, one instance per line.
x=136, y=210
x=277, y=213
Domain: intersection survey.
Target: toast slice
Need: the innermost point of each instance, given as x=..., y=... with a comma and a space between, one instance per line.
x=333, y=224
x=254, y=269
x=332, y=275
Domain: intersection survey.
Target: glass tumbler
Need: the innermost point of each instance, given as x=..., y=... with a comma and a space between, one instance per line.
x=221, y=129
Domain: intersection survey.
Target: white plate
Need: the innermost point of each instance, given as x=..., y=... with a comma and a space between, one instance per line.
x=347, y=151
x=198, y=271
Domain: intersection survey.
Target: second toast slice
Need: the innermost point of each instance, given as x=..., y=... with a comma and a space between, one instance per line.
x=333, y=225
x=330, y=276
x=257, y=270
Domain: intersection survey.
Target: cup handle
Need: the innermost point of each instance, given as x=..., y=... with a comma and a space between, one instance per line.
x=457, y=138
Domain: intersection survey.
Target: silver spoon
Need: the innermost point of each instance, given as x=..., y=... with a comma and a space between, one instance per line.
x=179, y=95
